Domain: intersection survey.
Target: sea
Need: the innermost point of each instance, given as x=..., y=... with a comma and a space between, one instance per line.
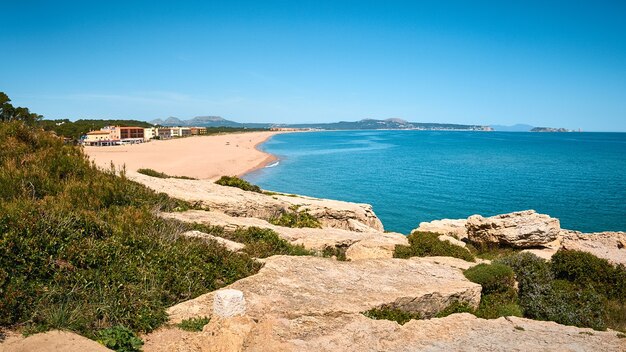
x=410, y=176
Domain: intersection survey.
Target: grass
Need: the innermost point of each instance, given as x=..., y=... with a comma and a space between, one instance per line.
x=499, y=297
x=82, y=249
x=491, y=251
x=193, y=324
x=427, y=244
x=260, y=243
x=385, y=313
x=296, y=218
x=121, y=339
x=455, y=307
x=154, y=173
x=234, y=181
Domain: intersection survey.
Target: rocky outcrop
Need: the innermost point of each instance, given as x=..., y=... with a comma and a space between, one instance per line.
x=608, y=245
x=290, y=287
x=51, y=341
x=238, y=203
x=519, y=229
x=357, y=245
x=230, y=245
x=450, y=227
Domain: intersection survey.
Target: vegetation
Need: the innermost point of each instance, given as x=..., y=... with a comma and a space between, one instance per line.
x=296, y=218
x=234, y=181
x=427, y=244
x=491, y=251
x=74, y=130
x=193, y=324
x=455, y=307
x=563, y=292
x=333, y=251
x=120, y=339
x=260, y=243
x=385, y=313
x=81, y=249
x=154, y=173
x=499, y=297
x=10, y=113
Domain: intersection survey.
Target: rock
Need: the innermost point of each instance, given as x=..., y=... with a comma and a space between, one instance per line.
x=230, y=245
x=288, y=287
x=228, y=303
x=239, y=203
x=51, y=341
x=519, y=229
x=607, y=245
x=451, y=240
x=455, y=228
x=358, y=245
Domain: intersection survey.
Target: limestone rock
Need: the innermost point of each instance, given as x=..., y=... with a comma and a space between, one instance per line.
x=228, y=303
x=358, y=245
x=451, y=227
x=519, y=229
x=230, y=245
x=239, y=203
x=289, y=287
x=607, y=245
x=452, y=240
x=51, y=341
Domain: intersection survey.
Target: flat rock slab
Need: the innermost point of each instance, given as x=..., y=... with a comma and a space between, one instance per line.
x=289, y=287
x=239, y=203
x=451, y=227
x=51, y=341
x=358, y=245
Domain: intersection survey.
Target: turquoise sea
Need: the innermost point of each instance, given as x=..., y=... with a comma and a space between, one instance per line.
x=414, y=176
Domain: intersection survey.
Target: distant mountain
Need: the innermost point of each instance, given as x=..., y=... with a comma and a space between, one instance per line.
x=388, y=124
x=515, y=128
x=365, y=124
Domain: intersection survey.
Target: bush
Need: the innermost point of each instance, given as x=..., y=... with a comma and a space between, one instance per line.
x=154, y=173
x=121, y=339
x=494, y=278
x=234, y=181
x=385, y=313
x=193, y=324
x=83, y=250
x=455, y=307
x=427, y=244
x=499, y=297
x=295, y=218
x=263, y=243
x=587, y=270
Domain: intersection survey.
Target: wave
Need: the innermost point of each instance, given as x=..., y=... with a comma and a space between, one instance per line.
x=274, y=164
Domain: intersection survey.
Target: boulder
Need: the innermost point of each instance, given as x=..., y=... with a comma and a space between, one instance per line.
x=608, y=245
x=230, y=245
x=452, y=240
x=358, y=245
x=239, y=203
x=228, y=303
x=521, y=229
x=288, y=287
x=450, y=227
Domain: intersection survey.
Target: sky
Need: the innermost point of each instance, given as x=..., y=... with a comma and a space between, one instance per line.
x=543, y=63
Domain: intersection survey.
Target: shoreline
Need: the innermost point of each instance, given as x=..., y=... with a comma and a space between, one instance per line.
x=201, y=157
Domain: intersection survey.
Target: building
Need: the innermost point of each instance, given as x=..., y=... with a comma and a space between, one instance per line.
x=149, y=133
x=131, y=135
x=99, y=138
x=164, y=133
x=198, y=131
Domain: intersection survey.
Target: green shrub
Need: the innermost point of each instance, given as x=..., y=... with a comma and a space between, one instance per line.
x=82, y=249
x=455, y=307
x=494, y=278
x=385, y=313
x=154, y=173
x=295, y=218
x=587, y=270
x=193, y=324
x=427, y=244
x=334, y=251
x=262, y=243
x=497, y=305
x=234, y=181
x=120, y=339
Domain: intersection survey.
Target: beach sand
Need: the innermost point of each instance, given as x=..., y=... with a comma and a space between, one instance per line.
x=203, y=157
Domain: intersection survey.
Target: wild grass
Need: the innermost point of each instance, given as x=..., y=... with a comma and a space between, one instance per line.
x=154, y=173
x=386, y=313
x=83, y=250
x=193, y=324
x=296, y=218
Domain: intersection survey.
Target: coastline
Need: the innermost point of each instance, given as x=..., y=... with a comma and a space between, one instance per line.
x=202, y=157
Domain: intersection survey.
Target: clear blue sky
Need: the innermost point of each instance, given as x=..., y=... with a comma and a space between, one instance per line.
x=559, y=63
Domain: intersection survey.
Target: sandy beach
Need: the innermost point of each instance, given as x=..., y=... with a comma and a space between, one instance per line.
x=203, y=157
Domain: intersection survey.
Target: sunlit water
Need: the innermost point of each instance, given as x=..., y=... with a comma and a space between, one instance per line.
x=414, y=176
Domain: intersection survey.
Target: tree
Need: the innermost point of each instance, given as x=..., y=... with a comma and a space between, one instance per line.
x=10, y=113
